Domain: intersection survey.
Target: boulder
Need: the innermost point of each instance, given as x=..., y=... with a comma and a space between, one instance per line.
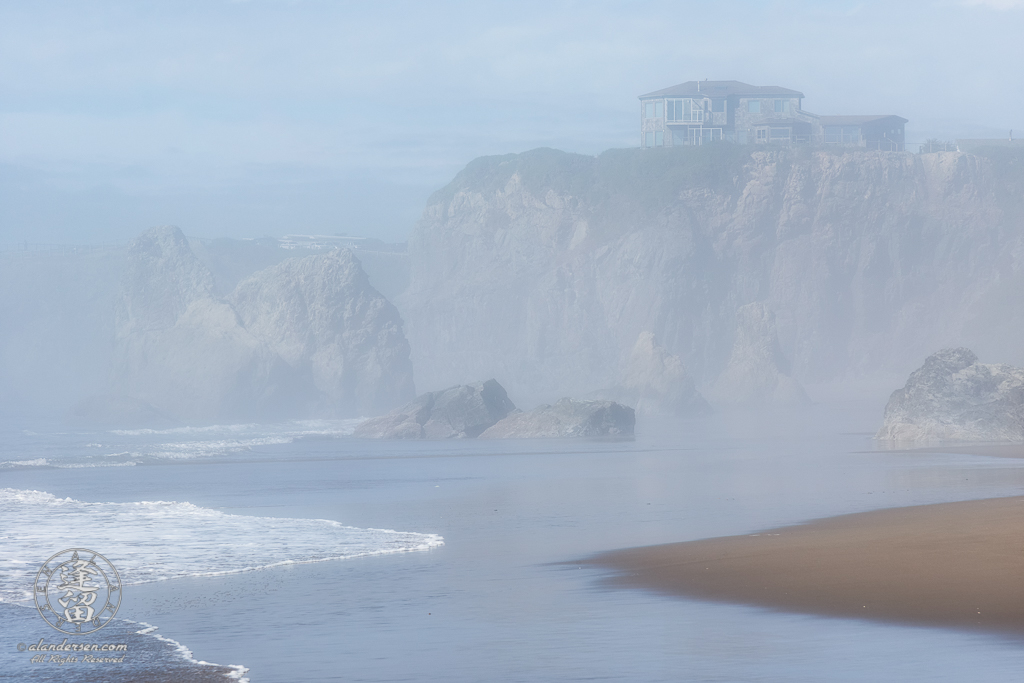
x=567, y=418
x=459, y=412
x=954, y=397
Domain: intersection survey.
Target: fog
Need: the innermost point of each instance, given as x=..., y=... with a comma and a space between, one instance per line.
x=423, y=296
x=261, y=118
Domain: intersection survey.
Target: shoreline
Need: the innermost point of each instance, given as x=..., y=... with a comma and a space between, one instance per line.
x=953, y=565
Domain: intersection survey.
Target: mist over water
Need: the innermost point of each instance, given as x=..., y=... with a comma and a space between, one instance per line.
x=257, y=259
x=752, y=308
x=514, y=516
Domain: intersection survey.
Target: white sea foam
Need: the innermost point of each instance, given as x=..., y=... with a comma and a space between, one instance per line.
x=208, y=429
x=75, y=465
x=124, y=448
x=295, y=428
x=35, y=462
x=43, y=462
x=237, y=672
x=158, y=540
x=227, y=439
x=203, y=449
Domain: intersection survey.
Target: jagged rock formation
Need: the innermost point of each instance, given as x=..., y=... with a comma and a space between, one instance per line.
x=305, y=337
x=567, y=418
x=320, y=315
x=544, y=267
x=954, y=397
x=459, y=412
x=758, y=371
x=656, y=382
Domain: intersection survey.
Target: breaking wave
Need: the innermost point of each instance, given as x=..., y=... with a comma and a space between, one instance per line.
x=158, y=540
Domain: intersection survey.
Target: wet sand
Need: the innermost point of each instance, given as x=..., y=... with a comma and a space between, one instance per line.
x=958, y=565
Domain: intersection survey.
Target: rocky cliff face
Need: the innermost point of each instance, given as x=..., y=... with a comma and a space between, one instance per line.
x=758, y=371
x=544, y=267
x=657, y=383
x=320, y=315
x=306, y=337
x=954, y=397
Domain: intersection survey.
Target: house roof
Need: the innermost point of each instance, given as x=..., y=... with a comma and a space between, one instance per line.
x=858, y=120
x=722, y=89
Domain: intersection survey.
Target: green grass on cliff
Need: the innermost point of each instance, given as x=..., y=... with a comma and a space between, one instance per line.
x=646, y=175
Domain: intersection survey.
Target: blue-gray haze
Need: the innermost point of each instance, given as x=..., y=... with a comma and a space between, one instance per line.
x=269, y=117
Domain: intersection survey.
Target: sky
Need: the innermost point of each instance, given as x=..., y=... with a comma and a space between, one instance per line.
x=270, y=117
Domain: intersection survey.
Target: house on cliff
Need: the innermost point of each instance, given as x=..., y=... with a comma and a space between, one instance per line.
x=697, y=112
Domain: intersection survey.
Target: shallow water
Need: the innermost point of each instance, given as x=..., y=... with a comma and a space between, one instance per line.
x=501, y=600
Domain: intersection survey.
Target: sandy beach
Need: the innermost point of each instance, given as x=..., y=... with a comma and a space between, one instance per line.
x=958, y=565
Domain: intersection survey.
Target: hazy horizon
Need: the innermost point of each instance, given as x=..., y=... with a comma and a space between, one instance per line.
x=265, y=118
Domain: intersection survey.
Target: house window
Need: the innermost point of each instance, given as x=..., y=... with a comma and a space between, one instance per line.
x=780, y=106
x=762, y=135
x=718, y=106
x=780, y=133
x=659, y=138
x=649, y=139
x=654, y=109
x=685, y=111
x=754, y=106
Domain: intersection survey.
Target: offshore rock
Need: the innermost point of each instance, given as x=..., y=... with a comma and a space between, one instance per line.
x=334, y=332
x=954, y=397
x=178, y=348
x=305, y=338
x=459, y=412
x=567, y=418
x=162, y=278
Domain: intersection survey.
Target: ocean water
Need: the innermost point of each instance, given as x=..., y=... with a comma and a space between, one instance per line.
x=296, y=552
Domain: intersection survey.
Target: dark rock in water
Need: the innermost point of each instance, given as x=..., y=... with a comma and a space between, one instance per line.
x=459, y=412
x=954, y=397
x=568, y=417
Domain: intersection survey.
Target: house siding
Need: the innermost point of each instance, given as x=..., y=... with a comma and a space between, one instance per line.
x=783, y=124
